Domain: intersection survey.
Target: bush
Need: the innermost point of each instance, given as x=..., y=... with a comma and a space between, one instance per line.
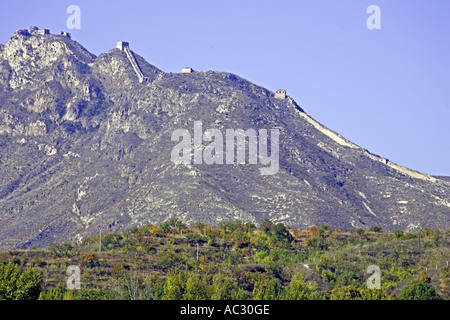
x=345, y=293
x=169, y=259
x=329, y=276
x=57, y=293
x=398, y=234
x=193, y=238
x=112, y=240
x=418, y=291
x=373, y=294
x=66, y=247
x=90, y=259
x=424, y=277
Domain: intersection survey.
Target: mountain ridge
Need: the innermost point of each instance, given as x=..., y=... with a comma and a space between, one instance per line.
x=84, y=145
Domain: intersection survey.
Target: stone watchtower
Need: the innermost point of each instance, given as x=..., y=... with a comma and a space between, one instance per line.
x=43, y=31
x=187, y=70
x=65, y=34
x=280, y=94
x=122, y=45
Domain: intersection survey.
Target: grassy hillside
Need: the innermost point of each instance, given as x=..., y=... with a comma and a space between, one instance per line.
x=241, y=261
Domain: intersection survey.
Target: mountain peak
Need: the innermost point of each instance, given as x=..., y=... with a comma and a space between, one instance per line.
x=28, y=52
x=87, y=143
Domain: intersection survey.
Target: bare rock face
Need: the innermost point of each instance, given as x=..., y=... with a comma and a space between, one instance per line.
x=85, y=145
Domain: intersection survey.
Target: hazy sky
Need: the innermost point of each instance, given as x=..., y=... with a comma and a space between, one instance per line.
x=387, y=90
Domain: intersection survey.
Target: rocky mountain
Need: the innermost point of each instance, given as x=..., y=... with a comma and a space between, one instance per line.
x=86, y=142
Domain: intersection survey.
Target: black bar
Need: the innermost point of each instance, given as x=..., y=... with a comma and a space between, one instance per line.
x=166, y=310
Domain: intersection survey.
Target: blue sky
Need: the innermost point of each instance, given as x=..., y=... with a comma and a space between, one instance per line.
x=387, y=90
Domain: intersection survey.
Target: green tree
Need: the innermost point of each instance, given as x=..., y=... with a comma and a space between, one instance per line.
x=418, y=291
x=174, y=287
x=29, y=285
x=266, y=289
x=153, y=288
x=195, y=288
x=222, y=287
x=17, y=285
x=9, y=274
x=297, y=288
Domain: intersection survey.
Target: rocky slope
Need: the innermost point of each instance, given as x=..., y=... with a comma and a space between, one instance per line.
x=85, y=145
